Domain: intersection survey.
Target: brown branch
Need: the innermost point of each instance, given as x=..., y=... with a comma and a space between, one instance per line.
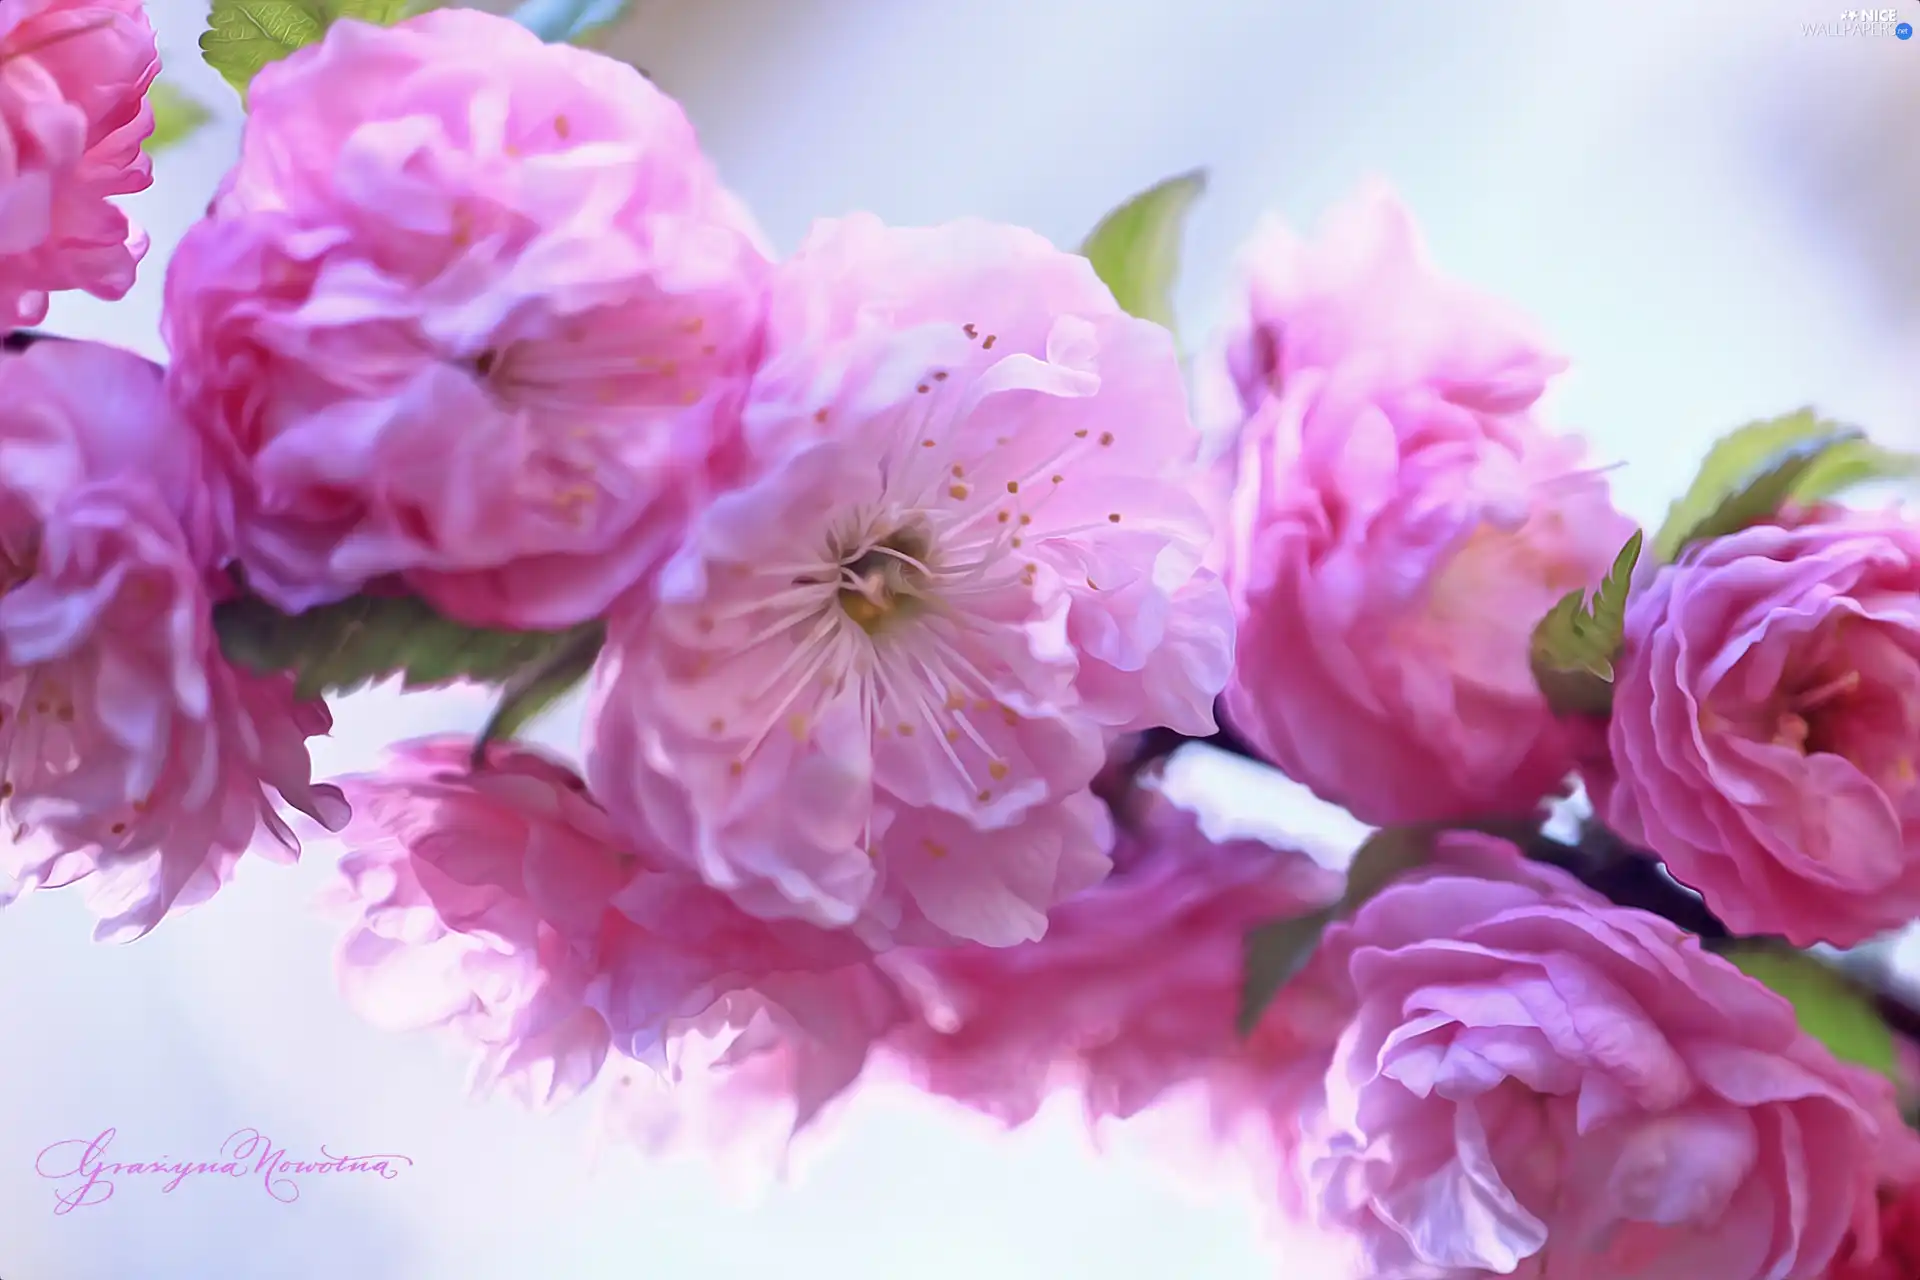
x=1623, y=873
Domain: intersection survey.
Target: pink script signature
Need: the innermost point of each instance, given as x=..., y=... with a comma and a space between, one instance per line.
x=82, y=1162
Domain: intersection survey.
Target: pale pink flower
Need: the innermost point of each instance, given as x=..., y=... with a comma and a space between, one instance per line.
x=1133, y=991
x=503, y=905
x=471, y=309
x=875, y=683
x=1765, y=716
x=131, y=755
x=1539, y=1084
x=73, y=116
x=1399, y=524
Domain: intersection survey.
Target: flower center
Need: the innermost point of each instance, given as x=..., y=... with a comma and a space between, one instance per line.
x=885, y=581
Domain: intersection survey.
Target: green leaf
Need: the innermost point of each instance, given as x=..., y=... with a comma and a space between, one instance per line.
x=534, y=688
x=1136, y=248
x=176, y=116
x=243, y=36
x=1853, y=462
x=362, y=640
x=1750, y=473
x=1276, y=952
x=1575, y=645
x=1831, y=1009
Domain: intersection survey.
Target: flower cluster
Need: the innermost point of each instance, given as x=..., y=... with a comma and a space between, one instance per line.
x=889, y=566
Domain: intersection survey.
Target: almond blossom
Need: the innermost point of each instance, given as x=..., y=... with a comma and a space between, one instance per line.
x=873, y=686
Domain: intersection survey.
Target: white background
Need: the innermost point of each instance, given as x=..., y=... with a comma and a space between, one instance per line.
x=1706, y=208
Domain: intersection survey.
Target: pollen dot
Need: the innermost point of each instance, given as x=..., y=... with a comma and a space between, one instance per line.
x=737, y=768
x=926, y=444
x=935, y=849
x=923, y=388
x=1113, y=517
x=562, y=126
x=998, y=769
x=716, y=725
x=953, y=735
x=820, y=415
x=939, y=375
x=6, y=790
x=970, y=330
x=1081, y=434
x=958, y=471
x=118, y=828
x=956, y=491
x=1013, y=486
x=1106, y=438
x=1003, y=517
x=956, y=702
x=906, y=730
x=1026, y=520
x=987, y=345
x=1010, y=716
x=797, y=726
x=984, y=796
x=982, y=704
x=1016, y=540
x=1059, y=479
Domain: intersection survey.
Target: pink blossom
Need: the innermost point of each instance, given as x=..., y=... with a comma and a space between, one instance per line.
x=874, y=685
x=1133, y=992
x=1400, y=521
x=131, y=755
x=471, y=309
x=1892, y=1250
x=503, y=905
x=1764, y=720
x=1539, y=1084
x=73, y=116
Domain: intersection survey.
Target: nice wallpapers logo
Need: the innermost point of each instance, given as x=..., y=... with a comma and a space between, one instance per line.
x=1880, y=23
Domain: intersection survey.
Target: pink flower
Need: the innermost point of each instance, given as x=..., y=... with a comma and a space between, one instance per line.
x=1133, y=991
x=1399, y=524
x=1764, y=720
x=1539, y=1084
x=503, y=905
x=876, y=682
x=1892, y=1250
x=471, y=309
x=73, y=115
x=131, y=755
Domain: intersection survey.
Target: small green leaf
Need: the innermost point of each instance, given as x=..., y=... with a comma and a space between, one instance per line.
x=1575, y=645
x=1136, y=248
x=533, y=689
x=1850, y=463
x=1748, y=475
x=243, y=36
x=362, y=640
x=1831, y=1009
x=1275, y=954
x=176, y=116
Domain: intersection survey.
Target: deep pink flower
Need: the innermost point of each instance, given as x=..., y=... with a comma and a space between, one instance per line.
x=1764, y=721
x=131, y=755
x=472, y=309
x=504, y=905
x=1539, y=1084
x=1399, y=524
x=1892, y=1251
x=875, y=683
x=1133, y=991
x=73, y=116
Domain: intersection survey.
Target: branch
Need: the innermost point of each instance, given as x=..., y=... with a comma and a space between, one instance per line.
x=1623, y=873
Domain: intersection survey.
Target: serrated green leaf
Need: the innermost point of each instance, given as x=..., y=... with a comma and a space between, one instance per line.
x=176, y=116
x=538, y=686
x=1748, y=475
x=243, y=36
x=1276, y=952
x=338, y=648
x=1575, y=645
x=1830, y=1008
x=1136, y=249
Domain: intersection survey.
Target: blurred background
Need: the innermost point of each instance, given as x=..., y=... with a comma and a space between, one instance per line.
x=1705, y=205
